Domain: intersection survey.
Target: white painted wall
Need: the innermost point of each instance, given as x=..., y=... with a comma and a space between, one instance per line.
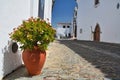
x=63, y=32
x=106, y=14
x=48, y=10
x=11, y=60
x=60, y=32
x=12, y=12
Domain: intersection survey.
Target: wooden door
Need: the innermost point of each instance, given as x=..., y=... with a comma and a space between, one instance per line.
x=97, y=33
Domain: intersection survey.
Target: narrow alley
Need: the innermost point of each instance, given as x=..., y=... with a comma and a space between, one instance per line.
x=77, y=60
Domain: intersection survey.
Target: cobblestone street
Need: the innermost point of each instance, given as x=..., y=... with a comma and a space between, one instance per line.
x=76, y=60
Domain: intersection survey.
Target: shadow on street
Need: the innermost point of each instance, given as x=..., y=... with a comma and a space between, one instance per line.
x=18, y=73
x=109, y=65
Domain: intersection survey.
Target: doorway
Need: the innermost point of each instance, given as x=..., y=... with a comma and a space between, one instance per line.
x=97, y=32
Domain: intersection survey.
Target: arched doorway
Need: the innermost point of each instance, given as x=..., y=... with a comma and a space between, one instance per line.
x=97, y=33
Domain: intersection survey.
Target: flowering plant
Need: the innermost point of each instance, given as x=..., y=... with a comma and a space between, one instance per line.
x=33, y=32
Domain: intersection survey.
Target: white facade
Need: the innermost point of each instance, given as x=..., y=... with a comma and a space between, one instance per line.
x=60, y=32
x=45, y=9
x=48, y=10
x=12, y=13
x=105, y=14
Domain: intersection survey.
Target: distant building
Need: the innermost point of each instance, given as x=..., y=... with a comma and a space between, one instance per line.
x=12, y=13
x=64, y=30
x=98, y=20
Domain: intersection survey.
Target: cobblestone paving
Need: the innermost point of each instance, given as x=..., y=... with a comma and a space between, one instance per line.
x=105, y=56
x=72, y=62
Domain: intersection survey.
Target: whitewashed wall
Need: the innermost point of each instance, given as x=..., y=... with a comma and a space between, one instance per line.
x=64, y=32
x=48, y=10
x=12, y=12
x=60, y=32
x=106, y=14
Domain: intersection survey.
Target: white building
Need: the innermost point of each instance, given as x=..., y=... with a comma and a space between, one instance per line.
x=12, y=13
x=64, y=30
x=45, y=9
x=98, y=20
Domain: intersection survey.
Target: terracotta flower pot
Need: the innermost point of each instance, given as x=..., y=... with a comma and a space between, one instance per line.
x=34, y=61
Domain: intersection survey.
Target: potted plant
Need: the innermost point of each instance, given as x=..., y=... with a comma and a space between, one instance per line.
x=34, y=36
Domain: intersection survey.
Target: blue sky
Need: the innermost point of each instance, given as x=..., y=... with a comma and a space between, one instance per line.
x=62, y=11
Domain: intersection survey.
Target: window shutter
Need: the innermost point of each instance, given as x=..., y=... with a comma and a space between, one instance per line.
x=96, y=3
x=118, y=5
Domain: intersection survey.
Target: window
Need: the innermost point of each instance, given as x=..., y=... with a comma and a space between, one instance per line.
x=68, y=26
x=81, y=31
x=96, y=3
x=63, y=26
x=118, y=5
